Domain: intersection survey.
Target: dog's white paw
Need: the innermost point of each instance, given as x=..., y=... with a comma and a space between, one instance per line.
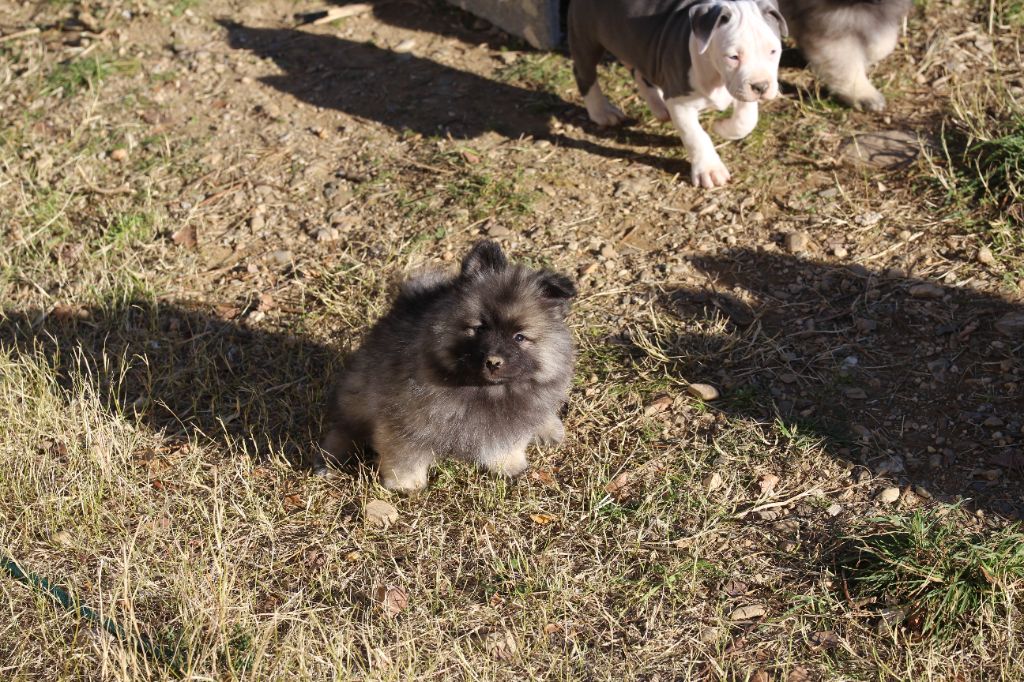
x=551, y=433
x=709, y=173
x=731, y=129
x=874, y=102
x=659, y=111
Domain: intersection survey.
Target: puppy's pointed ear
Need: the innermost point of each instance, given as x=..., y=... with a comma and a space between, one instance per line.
x=705, y=18
x=770, y=11
x=557, y=288
x=484, y=257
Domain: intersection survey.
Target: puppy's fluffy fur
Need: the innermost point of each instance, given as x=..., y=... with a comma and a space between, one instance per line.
x=474, y=366
x=842, y=39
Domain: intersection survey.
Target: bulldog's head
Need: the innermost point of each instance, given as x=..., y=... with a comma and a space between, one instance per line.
x=742, y=40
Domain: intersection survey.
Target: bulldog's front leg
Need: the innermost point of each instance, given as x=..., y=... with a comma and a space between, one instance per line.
x=740, y=124
x=706, y=167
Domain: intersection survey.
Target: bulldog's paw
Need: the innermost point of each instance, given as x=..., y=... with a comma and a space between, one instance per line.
x=733, y=129
x=659, y=111
x=605, y=114
x=709, y=173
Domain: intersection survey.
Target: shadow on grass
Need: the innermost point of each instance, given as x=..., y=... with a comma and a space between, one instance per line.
x=409, y=93
x=905, y=376
x=186, y=372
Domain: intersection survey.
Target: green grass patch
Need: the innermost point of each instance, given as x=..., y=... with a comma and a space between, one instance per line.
x=938, y=572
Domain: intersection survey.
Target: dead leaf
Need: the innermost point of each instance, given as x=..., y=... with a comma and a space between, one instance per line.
x=66, y=313
x=470, y=157
x=659, y=404
x=542, y=519
x=293, y=502
x=186, y=237
x=761, y=676
x=391, y=598
x=618, y=487
x=500, y=644
x=799, y=674
x=545, y=476
x=768, y=483
x=734, y=588
x=552, y=629
x=823, y=639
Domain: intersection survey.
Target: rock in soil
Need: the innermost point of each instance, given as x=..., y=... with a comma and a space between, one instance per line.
x=705, y=392
x=380, y=513
x=748, y=612
x=797, y=242
x=889, y=495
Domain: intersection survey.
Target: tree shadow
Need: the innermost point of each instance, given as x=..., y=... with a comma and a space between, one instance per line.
x=188, y=372
x=911, y=378
x=409, y=93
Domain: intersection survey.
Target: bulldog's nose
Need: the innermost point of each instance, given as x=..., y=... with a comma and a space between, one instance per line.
x=760, y=87
x=494, y=362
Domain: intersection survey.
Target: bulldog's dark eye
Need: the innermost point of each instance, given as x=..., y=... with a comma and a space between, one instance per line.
x=734, y=57
x=519, y=338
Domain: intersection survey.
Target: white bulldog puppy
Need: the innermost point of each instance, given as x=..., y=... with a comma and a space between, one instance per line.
x=686, y=56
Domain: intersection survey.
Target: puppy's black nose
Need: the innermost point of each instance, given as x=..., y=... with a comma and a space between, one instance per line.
x=494, y=362
x=760, y=87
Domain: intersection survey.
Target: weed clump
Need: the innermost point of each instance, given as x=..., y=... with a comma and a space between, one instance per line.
x=935, y=571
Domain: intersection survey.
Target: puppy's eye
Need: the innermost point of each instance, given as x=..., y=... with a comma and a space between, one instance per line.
x=519, y=338
x=734, y=57
x=773, y=52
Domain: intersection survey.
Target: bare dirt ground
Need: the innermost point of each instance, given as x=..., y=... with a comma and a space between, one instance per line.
x=204, y=204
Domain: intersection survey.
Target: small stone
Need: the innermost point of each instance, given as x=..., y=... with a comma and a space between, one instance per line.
x=840, y=252
x=120, y=155
x=405, y=46
x=1011, y=324
x=257, y=222
x=710, y=636
x=609, y=252
x=498, y=231
x=281, y=257
x=993, y=421
x=62, y=538
x=855, y=393
x=326, y=234
x=705, y=392
x=889, y=495
x=748, y=612
x=905, y=235
x=922, y=492
x=797, y=242
x=985, y=256
x=834, y=510
x=380, y=513
x=868, y=219
x=926, y=290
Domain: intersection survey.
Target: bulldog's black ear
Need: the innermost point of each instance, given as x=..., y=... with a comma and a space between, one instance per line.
x=771, y=13
x=556, y=286
x=484, y=257
x=705, y=18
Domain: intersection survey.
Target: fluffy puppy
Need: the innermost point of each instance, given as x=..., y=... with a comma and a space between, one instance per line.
x=474, y=366
x=842, y=39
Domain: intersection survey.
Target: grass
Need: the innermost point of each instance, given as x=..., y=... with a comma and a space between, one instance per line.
x=942, y=576
x=157, y=399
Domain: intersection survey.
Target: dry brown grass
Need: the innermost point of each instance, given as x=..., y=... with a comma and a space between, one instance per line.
x=158, y=396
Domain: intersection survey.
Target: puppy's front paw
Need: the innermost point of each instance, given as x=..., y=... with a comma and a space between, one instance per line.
x=709, y=173
x=510, y=465
x=405, y=482
x=551, y=433
x=864, y=98
x=731, y=129
x=875, y=103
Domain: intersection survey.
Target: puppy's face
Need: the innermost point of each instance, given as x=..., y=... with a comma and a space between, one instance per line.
x=742, y=40
x=507, y=324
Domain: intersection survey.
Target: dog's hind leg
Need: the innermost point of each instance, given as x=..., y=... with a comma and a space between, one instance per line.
x=652, y=95
x=842, y=65
x=586, y=54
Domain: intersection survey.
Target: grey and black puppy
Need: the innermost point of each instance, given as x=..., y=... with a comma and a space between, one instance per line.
x=842, y=39
x=474, y=366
